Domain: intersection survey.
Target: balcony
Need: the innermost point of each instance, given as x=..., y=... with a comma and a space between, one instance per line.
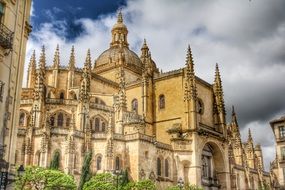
x=6, y=37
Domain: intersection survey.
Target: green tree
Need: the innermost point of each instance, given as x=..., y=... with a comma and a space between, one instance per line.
x=36, y=178
x=145, y=185
x=105, y=181
x=186, y=187
x=85, y=171
x=54, y=164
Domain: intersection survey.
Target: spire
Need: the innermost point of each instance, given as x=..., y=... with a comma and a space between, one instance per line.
x=39, y=90
x=234, y=117
x=119, y=33
x=190, y=86
x=71, y=64
x=32, y=63
x=120, y=17
x=218, y=90
x=85, y=79
x=249, y=139
x=87, y=64
x=56, y=60
x=144, y=50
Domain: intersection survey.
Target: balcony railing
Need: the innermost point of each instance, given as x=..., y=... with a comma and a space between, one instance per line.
x=6, y=37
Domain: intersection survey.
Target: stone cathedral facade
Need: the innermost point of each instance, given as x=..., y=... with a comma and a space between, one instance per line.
x=158, y=126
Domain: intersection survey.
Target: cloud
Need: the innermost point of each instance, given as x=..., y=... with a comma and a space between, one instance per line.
x=246, y=38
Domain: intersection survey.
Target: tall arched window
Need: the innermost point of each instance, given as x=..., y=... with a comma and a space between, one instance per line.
x=98, y=163
x=22, y=119
x=117, y=163
x=74, y=97
x=135, y=105
x=61, y=96
x=60, y=120
x=166, y=168
x=103, y=126
x=158, y=166
x=51, y=120
x=161, y=101
x=200, y=106
x=97, y=124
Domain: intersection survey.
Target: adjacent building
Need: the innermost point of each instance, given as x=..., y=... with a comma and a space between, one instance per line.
x=14, y=32
x=277, y=167
x=158, y=126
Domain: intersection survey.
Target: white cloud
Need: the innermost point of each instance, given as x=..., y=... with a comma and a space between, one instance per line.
x=246, y=38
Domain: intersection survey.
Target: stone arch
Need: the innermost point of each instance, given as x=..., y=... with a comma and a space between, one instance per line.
x=51, y=93
x=118, y=162
x=59, y=154
x=24, y=118
x=159, y=166
x=98, y=162
x=59, y=118
x=98, y=123
x=213, y=165
x=72, y=95
x=185, y=170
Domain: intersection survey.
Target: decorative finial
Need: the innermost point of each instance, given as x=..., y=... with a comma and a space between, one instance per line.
x=71, y=63
x=120, y=16
x=56, y=61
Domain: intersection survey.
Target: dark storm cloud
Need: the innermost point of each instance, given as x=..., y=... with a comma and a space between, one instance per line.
x=246, y=38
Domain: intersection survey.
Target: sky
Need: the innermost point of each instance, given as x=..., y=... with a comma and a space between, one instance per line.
x=246, y=38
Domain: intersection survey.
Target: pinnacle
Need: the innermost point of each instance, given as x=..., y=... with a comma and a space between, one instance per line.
x=189, y=57
x=72, y=58
x=120, y=17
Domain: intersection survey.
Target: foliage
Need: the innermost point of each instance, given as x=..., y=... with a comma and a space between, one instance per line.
x=85, y=171
x=125, y=178
x=107, y=181
x=103, y=181
x=186, y=187
x=55, y=161
x=36, y=178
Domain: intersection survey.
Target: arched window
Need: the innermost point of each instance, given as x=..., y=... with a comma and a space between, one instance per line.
x=49, y=95
x=60, y=120
x=22, y=119
x=61, y=96
x=166, y=168
x=135, y=105
x=200, y=106
x=161, y=101
x=97, y=124
x=98, y=163
x=117, y=163
x=205, y=167
x=158, y=166
x=103, y=126
x=51, y=120
x=67, y=122
x=74, y=97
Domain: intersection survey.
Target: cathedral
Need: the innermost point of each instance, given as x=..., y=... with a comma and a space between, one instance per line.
x=162, y=126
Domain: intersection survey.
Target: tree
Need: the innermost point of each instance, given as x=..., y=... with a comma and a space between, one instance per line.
x=85, y=171
x=54, y=164
x=105, y=181
x=37, y=178
x=186, y=187
x=145, y=185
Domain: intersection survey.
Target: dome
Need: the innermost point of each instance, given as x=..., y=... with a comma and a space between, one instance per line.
x=113, y=54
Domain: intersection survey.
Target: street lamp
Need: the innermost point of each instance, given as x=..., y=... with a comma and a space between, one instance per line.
x=117, y=173
x=180, y=183
x=21, y=170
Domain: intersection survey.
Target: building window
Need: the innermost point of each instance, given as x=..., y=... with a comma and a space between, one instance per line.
x=117, y=163
x=200, y=106
x=135, y=105
x=1, y=11
x=166, y=168
x=98, y=163
x=282, y=131
x=283, y=153
x=61, y=96
x=158, y=166
x=1, y=90
x=97, y=125
x=51, y=121
x=22, y=119
x=161, y=102
x=60, y=120
x=205, y=167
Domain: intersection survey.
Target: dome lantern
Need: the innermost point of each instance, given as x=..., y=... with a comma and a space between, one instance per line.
x=119, y=33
